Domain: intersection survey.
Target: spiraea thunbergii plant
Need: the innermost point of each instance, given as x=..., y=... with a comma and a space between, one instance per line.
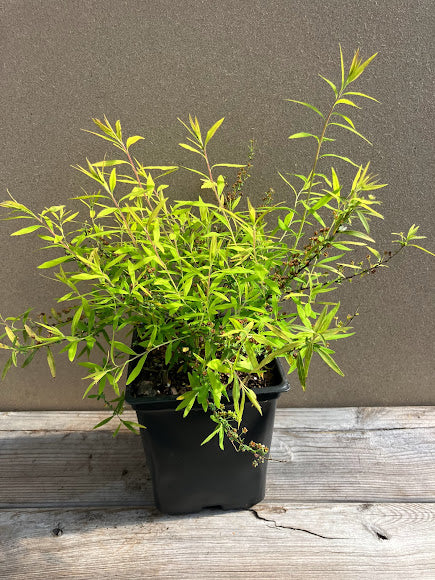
x=203, y=282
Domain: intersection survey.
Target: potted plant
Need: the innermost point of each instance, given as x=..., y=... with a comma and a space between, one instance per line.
x=184, y=299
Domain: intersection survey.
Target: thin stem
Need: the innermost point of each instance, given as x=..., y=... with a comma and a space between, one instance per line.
x=211, y=177
x=313, y=170
x=357, y=274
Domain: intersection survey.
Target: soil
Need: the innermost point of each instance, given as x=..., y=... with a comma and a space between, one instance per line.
x=156, y=380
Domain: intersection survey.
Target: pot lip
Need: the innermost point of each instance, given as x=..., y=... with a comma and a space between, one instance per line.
x=282, y=387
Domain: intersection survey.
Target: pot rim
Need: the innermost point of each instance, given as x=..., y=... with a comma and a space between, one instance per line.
x=263, y=393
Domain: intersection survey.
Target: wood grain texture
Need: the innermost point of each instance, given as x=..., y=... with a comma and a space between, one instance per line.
x=76, y=466
x=337, y=419
x=350, y=496
x=272, y=541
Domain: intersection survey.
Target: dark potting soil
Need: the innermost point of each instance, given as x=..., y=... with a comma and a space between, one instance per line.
x=156, y=380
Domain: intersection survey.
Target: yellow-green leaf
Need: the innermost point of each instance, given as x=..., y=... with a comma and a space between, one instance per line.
x=213, y=130
x=112, y=179
x=76, y=319
x=253, y=398
x=54, y=262
x=27, y=230
x=347, y=102
x=312, y=107
x=72, y=350
x=132, y=140
x=189, y=148
x=51, y=364
x=11, y=335
x=302, y=135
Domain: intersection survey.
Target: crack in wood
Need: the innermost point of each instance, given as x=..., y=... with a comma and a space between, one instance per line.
x=257, y=515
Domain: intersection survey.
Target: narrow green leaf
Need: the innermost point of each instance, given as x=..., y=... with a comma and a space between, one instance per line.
x=213, y=130
x=253, y=399
x=351, y=130
x=27, y=230
x=123, y=347
x=300, y=367
x=28, y=359
x=228, y=165
x=112, y=179
x=345, y=117
x=330, y=361
x=135, y=372
x=363, y=220
x=76, y=319
x=106, y=211
x=103, y=422
x=339, y=157
x=190, y=148
x=131, y=426
x=361, y=95
x=308, y=357
x=192, y=398
x=6, y=367
x=331, y=84
x=304, y=319
x=72, y=350
x=312, y=107
x=168, y=353
x=109, y=163
x=207, y=439
x=422, y=249
x=374, y=252
x=347, y=102
x=51, y=363
x=132, y=140
x=321, y=202
x=86, y=276
x=356, y=234
x=54, y=262
x=118, y=129
x=302, y=135
x=341, y=67
x=11, y=335
x=236, y=396
x=221, y=437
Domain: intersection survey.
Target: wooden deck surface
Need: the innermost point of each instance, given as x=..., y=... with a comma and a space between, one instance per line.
x=352, y=497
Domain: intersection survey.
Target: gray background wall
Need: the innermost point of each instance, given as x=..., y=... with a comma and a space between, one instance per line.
x=147, y=62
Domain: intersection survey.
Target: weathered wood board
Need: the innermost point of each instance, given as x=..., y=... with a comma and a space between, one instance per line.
x=350, y=495
x=272, y=541
x=322, y=419
x=55, y=466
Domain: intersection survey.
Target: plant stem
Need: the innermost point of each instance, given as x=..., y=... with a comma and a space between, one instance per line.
x=313, y=170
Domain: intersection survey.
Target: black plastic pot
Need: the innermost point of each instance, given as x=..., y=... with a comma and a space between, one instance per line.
x=188, y=477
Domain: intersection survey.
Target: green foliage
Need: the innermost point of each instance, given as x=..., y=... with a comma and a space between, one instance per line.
x=204, y=280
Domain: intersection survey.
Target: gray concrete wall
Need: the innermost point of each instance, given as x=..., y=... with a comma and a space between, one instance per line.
x=147, y=62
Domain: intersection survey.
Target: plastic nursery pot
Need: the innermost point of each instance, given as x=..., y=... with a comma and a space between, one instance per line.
x=188, y=477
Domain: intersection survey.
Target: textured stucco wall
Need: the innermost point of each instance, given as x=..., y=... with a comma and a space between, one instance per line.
x=147, y=62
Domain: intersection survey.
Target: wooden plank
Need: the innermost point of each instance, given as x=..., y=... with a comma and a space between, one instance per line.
x=86, y=468
x=323, y=419
x=274, y=541
x=351, y=418
x=91, y=468
x=372, y=465
x=57, y=420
